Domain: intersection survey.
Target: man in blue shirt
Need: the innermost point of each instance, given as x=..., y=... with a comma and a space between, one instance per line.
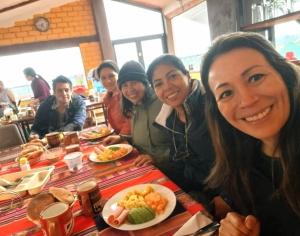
x=62, y=111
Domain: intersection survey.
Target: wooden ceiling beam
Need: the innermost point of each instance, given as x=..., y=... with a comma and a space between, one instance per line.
x=21, y=4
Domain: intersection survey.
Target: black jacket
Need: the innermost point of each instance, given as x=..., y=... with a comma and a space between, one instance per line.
x=191, y=143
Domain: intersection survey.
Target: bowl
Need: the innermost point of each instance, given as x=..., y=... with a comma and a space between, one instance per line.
x=54, y=154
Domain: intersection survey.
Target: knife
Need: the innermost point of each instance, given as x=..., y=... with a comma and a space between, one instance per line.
x=206, y=229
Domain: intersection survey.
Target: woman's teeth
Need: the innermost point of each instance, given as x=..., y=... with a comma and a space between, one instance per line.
x=258, y=116
x=173, y=95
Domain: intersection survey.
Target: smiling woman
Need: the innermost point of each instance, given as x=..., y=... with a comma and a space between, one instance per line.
x=182, y=115
x=253, y=109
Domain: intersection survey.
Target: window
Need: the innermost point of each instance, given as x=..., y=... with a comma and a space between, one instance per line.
x=287, y=41
x=137, y=33
x=49, y=64
x=191, y=36
x=128, y=21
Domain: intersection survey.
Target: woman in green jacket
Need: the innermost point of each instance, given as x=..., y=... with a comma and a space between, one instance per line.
x=140, y=103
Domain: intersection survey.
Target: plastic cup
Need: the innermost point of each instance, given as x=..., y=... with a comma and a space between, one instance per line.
x=73, y=161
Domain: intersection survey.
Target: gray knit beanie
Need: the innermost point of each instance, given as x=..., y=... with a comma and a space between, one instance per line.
x=132, y=70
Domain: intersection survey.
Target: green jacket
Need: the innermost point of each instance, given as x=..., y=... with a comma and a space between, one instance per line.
x=147, y=138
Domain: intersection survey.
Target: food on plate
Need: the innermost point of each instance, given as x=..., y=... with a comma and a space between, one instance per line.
x=54, y=154
x=138, y=206
x=140, y=215
x=110, y=153
x=37, y=204
x=62, y=195
x=94, y=134
x=2, y=189
x=72, y=148
x=156, y=201
x=5, y=182
x=38, y=142
x=118, y=216
x=32, y=151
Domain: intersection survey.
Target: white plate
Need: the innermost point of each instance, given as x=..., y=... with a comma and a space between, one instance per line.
x=111, y=204
x=94, y=138
x=33, y=181
x=93, y=155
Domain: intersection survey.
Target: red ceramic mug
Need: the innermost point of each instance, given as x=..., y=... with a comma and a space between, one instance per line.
x=57, y=220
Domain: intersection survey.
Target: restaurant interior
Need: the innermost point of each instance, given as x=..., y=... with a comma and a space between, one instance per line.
x=68, y=182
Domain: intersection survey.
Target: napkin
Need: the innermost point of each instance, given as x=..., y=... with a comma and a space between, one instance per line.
x=194, y=223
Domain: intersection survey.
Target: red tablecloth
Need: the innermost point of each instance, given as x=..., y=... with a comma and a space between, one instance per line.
x=112, y=177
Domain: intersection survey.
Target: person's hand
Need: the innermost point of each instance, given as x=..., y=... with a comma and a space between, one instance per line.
x=112, y=139
x=33, y=136
x=34, y=103
x=235, y=224
x=143, y=160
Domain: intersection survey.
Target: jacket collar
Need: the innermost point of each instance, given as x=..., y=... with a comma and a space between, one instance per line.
x=166, y=110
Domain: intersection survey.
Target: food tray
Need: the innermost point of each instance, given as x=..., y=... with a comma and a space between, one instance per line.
x=29, y=181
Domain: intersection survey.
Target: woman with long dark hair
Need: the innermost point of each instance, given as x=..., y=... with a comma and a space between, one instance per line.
x=39, y=86
x=253, y=109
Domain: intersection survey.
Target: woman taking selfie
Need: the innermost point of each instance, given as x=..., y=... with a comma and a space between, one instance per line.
x=182, y=115
x=140, y=103
x=253, y=109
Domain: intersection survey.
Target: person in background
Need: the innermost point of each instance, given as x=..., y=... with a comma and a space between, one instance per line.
x=253, y=109
x=108, y=71
x=7, y=98
x=141, y=105
x=39, y=86
x=182, y=116
x=62, y=111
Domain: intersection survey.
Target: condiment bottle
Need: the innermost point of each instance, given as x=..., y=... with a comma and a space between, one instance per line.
x=24, y=164
x=89, y=197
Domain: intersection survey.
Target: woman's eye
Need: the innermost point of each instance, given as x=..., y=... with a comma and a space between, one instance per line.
x=255, y=78
x=157, y=84
x=225, y=94
x=173, y=76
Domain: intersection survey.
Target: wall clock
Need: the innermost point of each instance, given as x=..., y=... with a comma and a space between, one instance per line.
x=41, y=24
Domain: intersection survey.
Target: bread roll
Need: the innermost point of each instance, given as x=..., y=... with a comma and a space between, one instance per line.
x=62, y=195
x=72, y=148
x=37, y=204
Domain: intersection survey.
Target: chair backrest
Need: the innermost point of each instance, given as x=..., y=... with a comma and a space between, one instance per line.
x=10, y=136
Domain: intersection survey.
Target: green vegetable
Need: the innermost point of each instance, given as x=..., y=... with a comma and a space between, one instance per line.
x=140, y=215
x=114, y=148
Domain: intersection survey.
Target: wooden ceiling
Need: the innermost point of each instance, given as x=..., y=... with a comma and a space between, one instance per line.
x=158, y=4
x=15, y=10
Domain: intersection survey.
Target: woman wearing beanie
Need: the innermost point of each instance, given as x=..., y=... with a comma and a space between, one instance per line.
x=39, y=86
x=182, y=115
x=108, y=71
x=140, y=103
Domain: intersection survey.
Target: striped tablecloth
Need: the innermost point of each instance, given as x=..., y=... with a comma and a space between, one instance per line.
x=111, y=177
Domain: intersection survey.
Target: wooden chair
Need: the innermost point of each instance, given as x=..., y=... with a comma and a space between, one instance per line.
x=96, y=114
x=10, y=136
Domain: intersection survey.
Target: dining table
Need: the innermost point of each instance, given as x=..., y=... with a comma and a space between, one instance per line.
x=111, y=177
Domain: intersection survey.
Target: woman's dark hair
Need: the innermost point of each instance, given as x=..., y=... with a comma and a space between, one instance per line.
x=29, y=72
x=127, y=106
x=166, y=59
x=61, y=79
x=235, y=149
x=107, y=64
